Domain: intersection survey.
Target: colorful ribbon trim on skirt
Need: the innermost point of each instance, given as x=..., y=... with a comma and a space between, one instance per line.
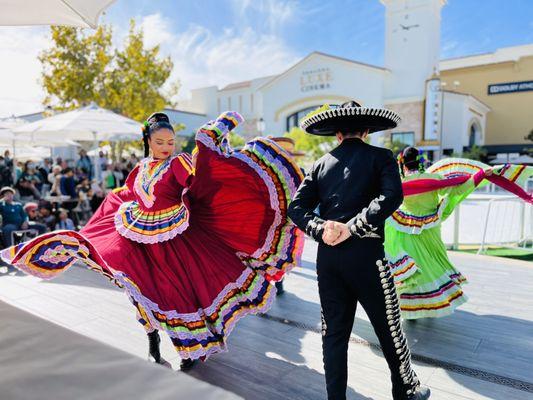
x=402, y=267
x=435, y=299
x=144, y=226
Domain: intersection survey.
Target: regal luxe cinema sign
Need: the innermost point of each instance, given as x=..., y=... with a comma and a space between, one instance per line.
x=315, y=79
x=510, y=87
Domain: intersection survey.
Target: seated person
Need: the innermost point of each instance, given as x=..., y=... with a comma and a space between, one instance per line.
x=6, y=173
x=27, y=188
x=67, y=184
x=85, y=194
x=13, y=216
x=109, y=178
x=54, y=178
x=46, y=215
x=34, y=221
x=96, y=196
x=29, y=183
x=64, y=222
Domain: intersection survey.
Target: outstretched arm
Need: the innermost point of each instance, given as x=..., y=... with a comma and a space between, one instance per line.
x=214, y=134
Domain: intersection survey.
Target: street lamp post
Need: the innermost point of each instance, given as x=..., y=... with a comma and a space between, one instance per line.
x=261, y=126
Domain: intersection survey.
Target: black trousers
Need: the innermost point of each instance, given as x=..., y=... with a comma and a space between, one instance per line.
x=350, y=273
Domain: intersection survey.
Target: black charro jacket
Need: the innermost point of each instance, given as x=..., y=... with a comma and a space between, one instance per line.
x=355, y=183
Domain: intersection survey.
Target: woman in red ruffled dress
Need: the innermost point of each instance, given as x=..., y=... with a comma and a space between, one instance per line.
x=194, y=241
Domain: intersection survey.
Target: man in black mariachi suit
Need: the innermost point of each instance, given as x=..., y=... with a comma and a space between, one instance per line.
x=356, y=187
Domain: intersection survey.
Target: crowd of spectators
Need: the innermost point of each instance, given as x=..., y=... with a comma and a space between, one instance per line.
x=36, y=197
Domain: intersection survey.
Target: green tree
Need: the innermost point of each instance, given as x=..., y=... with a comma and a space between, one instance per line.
x=135, y=82
x=395, y=146
x=81, y=68
x=475, y=153
x=312, y=145
x=74, y=69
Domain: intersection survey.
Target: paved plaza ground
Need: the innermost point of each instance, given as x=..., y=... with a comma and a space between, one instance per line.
x=483, y=351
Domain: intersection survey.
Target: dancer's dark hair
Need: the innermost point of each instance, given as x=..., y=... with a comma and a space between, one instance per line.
x=155, y=122
x=412, y=159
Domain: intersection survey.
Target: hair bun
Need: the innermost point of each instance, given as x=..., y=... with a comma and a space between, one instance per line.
x=158, y=117
x=410, y=154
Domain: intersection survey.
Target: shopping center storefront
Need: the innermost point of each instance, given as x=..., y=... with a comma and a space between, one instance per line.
x=447, y=106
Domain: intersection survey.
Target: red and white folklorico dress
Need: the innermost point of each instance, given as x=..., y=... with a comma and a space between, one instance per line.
x=195, y=245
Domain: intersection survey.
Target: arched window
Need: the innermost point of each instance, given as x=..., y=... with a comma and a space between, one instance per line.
x=474, y=134
x=294, y=119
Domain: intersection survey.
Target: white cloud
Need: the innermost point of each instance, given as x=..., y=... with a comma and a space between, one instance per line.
x=202, y=57
x=20, y=91
x=156, y=30
x=273, y=13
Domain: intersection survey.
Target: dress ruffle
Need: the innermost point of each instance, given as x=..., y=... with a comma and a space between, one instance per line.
x=402, y=267
x=414, y=224
x=51, y=254
x=149, y=227
x=435, y=299
x=203, y=333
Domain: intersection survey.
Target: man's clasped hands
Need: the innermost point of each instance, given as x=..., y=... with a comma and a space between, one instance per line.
x=335, y=233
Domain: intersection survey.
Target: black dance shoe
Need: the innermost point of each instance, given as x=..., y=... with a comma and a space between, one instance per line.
x=279, y=288
x=154, y=354
x=187, y=364
x=421, y=393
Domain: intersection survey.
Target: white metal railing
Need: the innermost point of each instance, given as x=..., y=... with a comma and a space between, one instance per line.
x=490, y=219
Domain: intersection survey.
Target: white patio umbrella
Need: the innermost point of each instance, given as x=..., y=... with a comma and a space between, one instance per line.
x=80, y=13
x=91, y=123
x=23, y=146
x=7, y=137
x=25, y=153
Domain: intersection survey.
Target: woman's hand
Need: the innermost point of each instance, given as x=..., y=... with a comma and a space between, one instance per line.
x=489, y=171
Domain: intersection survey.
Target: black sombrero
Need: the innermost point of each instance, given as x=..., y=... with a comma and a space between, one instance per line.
x=348, y=117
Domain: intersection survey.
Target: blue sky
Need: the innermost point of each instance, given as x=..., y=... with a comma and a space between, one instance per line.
x=216, y=42
x=347, y=28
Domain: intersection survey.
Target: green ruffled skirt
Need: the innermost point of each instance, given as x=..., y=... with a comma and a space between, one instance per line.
x=427, y=283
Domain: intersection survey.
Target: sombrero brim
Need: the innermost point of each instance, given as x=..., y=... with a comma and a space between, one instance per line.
x=350, y=119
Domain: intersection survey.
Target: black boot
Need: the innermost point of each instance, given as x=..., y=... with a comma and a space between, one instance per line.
x=187, y=364
x=154, y=353
x=421, y=393
x=279, y=287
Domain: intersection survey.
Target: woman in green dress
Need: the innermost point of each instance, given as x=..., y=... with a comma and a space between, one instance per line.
x=427, y=282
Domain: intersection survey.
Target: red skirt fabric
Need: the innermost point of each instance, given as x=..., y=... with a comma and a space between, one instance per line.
x=198, y=284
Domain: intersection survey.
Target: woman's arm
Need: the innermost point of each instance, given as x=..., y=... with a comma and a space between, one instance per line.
x=182, y=168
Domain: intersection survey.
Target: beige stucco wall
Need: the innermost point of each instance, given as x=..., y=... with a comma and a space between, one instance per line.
x=511, y=115
x=412, y=114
